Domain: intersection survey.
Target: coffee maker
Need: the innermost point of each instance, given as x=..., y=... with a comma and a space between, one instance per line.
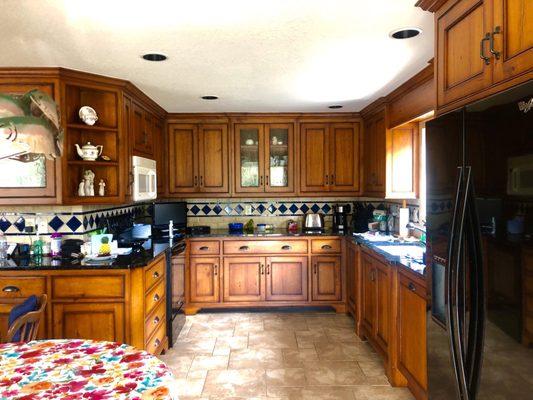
x=340, y=217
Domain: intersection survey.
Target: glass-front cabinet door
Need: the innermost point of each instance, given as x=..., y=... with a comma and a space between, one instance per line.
x=249, y=162
x=278, y=158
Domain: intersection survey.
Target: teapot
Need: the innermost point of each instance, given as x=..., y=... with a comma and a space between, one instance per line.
x=89, y=152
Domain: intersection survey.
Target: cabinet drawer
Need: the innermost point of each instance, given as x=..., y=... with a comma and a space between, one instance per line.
x=21, y=287
x=412, y=285
x=207, y=247
x=154, y=345
x=94, y=287
x=154, y=296
x=154, y=320
x=325, y=246
x=153, y=273
x=265, y=246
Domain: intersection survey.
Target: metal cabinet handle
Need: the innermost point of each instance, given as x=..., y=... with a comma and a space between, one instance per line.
x=497, y=30
x=155, y=274
x=373, y=275
x=156, y=320
x=332, y=179
x=315, y=269
x=261, y=180
x=216, y=269
x=268, y=269
x=156, y=297
x=327, y=179
x=266, y=180
x=204, y=248
x=262, y=269
x=195, y=180
x=11, y=289
x=244, y=248
x=482, y=48
x=201, y=180
x=326, y=247
x=286, y=247
x=411, y=287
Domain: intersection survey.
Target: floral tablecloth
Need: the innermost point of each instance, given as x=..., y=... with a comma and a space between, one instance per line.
x=81, y=369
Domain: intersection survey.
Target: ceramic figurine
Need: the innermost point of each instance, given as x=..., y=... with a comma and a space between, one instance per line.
x=81, y=189
x=89, y=152
x=101, y=189
x=88, y=177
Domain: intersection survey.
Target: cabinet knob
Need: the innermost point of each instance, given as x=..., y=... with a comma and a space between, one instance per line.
x=11, y=289
x=155, y=274
x=268, y=269
x=326, y=247
x=156, y=297
x=216, y=270
x=411, y=287
x=201, y=180
x=327, y=179
x=286, y=247
x=244, y=248
x=266, y=180
x=156, y=320
x=262, y=269
x=195, y=180
x=261, y=180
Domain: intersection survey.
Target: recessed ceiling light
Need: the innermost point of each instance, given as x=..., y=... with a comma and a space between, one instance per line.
x=209, y=97
x=335, y=106
x=154, y=57
x=405, y=33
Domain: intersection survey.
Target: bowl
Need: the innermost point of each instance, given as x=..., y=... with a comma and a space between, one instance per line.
x=235, y=227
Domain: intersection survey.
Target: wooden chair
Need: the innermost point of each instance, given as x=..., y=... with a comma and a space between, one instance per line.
x=28, y=323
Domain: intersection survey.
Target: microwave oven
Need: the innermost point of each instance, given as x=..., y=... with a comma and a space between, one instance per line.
x=520, y=175
x=144, y=179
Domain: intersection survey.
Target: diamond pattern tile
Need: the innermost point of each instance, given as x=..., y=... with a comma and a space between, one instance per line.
x=293, y=208
x=56, y=223
x=217, y=209
x=326, y=208
x=304, y=208
x=282, y=209
x=206, y=209
x=228, y=210
x=315, y=208
x=239, y=209
x=261, y=208
x=74, y=223
x=20, y=224
x=4, y=224
x=195, y=209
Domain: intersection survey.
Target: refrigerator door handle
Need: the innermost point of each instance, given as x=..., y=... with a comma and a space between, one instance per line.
x=451, y=289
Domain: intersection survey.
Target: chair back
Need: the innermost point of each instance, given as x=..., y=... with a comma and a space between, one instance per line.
x=28, y=324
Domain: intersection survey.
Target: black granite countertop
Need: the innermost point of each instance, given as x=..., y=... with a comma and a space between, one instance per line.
x=408, y=254
x=217, y=233
x=133, y=260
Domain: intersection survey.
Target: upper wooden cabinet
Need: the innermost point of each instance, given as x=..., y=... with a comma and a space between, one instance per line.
x=198, y=159
x=402, y=161
x=264, y=158
x=374, y=154
x=330, y=158
x=142, y=134
x=483, y=46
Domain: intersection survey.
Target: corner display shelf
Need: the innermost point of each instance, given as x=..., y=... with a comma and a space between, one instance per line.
x=105, y=132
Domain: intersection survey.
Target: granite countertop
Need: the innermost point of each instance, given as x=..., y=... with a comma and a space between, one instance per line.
x=274, y=233
x=408, y=254
x=133, y=260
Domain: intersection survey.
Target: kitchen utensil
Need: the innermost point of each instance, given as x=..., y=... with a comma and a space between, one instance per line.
x=314, y=221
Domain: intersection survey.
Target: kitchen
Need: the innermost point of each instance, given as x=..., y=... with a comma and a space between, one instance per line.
x=352, y=229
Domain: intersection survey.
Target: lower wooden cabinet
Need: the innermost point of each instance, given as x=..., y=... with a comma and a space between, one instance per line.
x=368, y=293
x=244, y=279
x=286, y=278
x=383, y=304
x=326, y=281
x=352, y=261
x=97, y=321
x=204, y=279
x=412, y=353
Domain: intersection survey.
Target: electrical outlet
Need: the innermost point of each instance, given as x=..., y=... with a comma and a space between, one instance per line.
x=248, y=209
x=29, y=222
x=42, y=226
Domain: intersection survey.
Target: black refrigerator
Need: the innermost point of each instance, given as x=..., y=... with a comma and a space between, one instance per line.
x=479, y=197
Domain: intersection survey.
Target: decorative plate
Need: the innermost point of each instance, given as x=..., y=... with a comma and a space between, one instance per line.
x=88, y=115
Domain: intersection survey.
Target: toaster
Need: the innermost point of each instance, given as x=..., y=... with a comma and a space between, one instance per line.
x=314, y=221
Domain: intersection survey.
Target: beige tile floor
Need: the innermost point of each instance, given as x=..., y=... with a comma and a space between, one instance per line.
x=289, y=356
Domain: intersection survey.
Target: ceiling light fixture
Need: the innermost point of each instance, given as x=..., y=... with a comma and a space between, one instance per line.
x=154, y=57
x=209, y=97
x=335, y=106
x=405, y=33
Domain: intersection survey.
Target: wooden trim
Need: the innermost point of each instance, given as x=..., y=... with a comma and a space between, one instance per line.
x=430, y=5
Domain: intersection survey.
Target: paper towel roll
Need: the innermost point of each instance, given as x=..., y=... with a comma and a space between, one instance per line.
x=404, y=220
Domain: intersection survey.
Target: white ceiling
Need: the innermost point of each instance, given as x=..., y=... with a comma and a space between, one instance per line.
x=256, y=55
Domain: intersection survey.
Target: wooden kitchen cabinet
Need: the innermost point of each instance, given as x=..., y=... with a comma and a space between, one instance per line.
x=402, y=161
x=264, y=158
x=142, y=132
x=204, y=279
x=368, y=293
x=483, y=47
x=160, y=155
x=329, y=157
x=286, y=278
x=352, y=279
x=326, y=278
x=244, y=279
x=374, y=154
x=411, y=331
x=198, y=159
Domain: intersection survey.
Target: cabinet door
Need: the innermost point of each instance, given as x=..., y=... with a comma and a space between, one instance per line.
x=249, y=158
x=412, y=355
x=344, y=157
x=183, y=158
x=351, y=283
x=514, y=19
x=314, y=158
x=383, y=290
x=148, y=133
x=213, y=158
x=286, y=278
x=139, y=133
x=279, y=158
x=244, y=279
x=96, y=321
x=402, y=162
x=326, y=283
x=368, y=293
x=159, y=155
x=461, y=71
x=204, y=279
